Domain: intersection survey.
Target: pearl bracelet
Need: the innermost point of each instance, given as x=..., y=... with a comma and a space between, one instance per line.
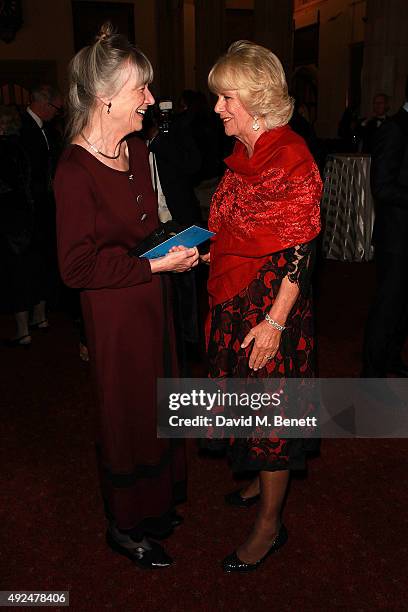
x=274, y=323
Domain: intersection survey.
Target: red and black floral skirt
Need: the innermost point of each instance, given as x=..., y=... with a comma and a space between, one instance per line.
x=230, y=323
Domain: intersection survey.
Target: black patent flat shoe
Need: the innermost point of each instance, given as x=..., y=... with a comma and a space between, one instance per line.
x=153, y=558
x=235, y=499
x=233, y=563
x=22, y=341
x=42, y=326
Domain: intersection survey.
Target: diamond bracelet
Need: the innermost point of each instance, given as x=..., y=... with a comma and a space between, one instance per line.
x=274, y=323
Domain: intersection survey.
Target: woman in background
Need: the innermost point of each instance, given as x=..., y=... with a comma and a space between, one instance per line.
x=24, y=265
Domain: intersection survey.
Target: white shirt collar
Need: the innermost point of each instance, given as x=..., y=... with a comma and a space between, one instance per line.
x=36, y=118
x=405, y=106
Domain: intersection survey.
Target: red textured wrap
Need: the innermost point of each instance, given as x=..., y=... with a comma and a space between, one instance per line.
x=264, y=204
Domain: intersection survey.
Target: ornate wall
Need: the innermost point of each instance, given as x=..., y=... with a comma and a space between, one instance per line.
x=385, y=67
x=184, y=37
x=47, y=34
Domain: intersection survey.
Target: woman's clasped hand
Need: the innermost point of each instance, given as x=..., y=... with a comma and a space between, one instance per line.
x=178, y=259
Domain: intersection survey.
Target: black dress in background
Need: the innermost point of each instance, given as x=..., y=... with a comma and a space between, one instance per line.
x=42, y=147
x=22, y=271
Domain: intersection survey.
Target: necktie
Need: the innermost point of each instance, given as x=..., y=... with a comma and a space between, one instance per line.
x=46, y=139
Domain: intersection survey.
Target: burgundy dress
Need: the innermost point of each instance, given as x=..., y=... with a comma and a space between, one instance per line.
x=129, y=330
x=266, y=215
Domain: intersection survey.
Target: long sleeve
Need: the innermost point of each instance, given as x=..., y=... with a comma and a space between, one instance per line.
x=300, y=263
x=83, y=262
x=387, y=159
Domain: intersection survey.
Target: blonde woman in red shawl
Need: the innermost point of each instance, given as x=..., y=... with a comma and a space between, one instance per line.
x=266, y=216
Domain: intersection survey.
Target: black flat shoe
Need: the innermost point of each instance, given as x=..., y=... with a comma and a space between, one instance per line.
x=235, y=499
x=42, y=326
x=233, y=563
x=152, y=558
x=15, y=342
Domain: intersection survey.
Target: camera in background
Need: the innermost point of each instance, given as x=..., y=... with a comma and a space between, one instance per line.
x=165, y=116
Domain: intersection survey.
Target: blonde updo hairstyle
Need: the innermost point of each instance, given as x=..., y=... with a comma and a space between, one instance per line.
x=258, y=77
x=97, y=71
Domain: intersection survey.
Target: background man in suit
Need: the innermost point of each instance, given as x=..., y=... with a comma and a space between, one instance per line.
x=178, y=160
x=369, y=127
x=386, y=328
x=42, y=148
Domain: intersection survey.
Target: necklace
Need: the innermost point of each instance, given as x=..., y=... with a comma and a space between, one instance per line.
x=100, y=152
x=139, y=199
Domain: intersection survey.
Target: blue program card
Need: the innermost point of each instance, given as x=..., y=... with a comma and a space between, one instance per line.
x=190, y=237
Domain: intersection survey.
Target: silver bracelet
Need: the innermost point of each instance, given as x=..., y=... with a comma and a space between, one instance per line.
x=274, y=323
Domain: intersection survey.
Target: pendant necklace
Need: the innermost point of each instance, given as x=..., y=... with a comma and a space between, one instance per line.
x=139, y=199
x=100, y=152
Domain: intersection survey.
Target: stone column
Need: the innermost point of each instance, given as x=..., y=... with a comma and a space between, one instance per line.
x=385, y=63
x=210, y=37
x=170, y=33
x=274, y=29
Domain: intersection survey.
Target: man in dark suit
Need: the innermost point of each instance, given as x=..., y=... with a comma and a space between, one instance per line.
x=46, y=103
x=369, y=127
x=386, y=329
x=40, y=145
x=178, y=161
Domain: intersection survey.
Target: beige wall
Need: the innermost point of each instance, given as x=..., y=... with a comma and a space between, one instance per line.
x=189, y=45
x=386, y=52
x=341, y=24
x=47, y=33
x=145, y=29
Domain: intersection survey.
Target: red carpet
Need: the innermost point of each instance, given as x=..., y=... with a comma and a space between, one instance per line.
x=347, y=521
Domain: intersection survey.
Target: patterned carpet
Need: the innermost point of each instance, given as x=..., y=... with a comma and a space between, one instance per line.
x=347, y=520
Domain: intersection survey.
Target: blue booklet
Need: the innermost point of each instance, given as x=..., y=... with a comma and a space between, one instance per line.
x=190, y=237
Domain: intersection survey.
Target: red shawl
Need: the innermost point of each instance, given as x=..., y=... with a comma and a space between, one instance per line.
x=264, y=204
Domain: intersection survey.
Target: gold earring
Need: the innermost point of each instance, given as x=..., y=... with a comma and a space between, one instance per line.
x=255, y=125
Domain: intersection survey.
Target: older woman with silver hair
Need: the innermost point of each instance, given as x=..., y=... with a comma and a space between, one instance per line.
x=266, y=217
x=106, y=206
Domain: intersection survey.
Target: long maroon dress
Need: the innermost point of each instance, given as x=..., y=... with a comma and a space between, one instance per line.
x=100, y=216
